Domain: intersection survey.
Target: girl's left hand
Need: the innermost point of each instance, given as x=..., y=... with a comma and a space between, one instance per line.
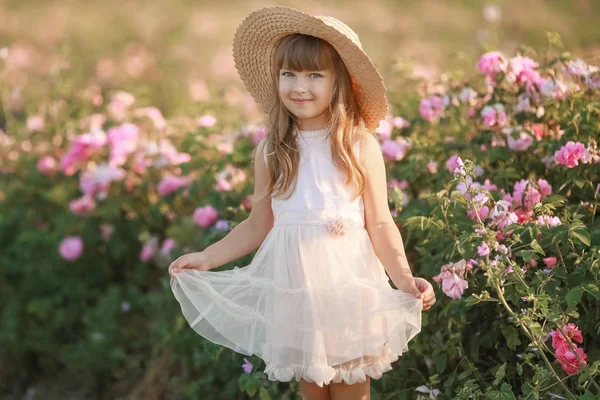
x=427, y=293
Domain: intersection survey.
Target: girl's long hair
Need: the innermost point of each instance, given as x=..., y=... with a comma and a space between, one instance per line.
x=301, y=52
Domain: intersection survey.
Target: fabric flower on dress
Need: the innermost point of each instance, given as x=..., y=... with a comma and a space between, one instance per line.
x=339, y=225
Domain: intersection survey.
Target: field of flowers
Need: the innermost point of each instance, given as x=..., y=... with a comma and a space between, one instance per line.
x=105, y=177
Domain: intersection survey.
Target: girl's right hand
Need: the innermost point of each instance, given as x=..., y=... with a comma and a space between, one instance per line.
x=197, y=261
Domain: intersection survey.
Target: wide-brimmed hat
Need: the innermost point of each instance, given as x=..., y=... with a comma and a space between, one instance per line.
x=253, y=52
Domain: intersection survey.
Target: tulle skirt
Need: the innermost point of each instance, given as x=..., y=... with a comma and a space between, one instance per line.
x=311, y=304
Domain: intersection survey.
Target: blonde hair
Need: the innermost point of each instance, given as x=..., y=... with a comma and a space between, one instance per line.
x=301, y=52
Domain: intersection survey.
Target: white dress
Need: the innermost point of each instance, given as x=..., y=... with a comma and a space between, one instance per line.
x=314, y=303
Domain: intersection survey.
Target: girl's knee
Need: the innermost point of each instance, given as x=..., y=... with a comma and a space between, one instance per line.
x=312, y=391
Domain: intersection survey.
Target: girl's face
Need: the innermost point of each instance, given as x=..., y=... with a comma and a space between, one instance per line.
x=307, y=95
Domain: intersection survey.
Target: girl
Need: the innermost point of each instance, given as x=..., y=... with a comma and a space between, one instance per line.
x=315, y=302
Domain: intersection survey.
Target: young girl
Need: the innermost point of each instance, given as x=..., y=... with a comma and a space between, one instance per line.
x=315, y=302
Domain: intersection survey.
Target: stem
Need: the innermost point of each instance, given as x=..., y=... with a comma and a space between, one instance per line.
x=533, y=340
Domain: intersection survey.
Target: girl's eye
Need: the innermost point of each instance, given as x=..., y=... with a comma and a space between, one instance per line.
x=284, y=73
x=318, y=75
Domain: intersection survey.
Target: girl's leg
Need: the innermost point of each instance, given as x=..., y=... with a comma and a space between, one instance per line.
x=358, y=391
x=312, y=391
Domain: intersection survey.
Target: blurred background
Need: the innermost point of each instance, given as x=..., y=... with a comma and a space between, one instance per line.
x=87, y=311
x=177, y=51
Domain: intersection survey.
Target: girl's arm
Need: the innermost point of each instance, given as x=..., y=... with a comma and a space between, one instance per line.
x=383, y=232
x=250, y=233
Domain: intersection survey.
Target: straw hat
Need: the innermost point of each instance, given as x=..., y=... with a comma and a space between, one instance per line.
x=254, y=55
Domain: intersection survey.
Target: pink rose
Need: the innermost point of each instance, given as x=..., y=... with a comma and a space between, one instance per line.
x=83, y=205
x=395, y=149
x=572, y=333
x=96, y=182
x=570, y=154
x=522, y=70
x=494, y=116
x=432, y=167
x=171, y=183
x=123, y=141
x=522, y=143
x=545, y=187
x=550, y=262
x=71, y=248
x=205, y=216
x=47, y=166
x=432, y=108
x=568, y=360
x=492, y=63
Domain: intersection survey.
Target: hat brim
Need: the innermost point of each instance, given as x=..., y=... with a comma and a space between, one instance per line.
x=254, y=56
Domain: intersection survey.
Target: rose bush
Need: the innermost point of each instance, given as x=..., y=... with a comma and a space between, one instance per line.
x=493, y=181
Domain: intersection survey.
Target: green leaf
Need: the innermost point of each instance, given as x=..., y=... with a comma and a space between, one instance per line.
x=471, y=301
x=250, y=383
x=440, y=362
x=580, y=234
x=500, y=374
x=573, y=297
x=512, y=336
x=264, y=394
x=536, y=246
x=592, y=289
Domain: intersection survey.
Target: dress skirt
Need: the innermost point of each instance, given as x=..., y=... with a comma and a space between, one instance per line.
x=312, y=304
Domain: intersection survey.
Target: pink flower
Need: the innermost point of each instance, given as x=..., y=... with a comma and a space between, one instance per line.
x=106, y=230
x=171, y=183
x=47, y=166
x=453, y=285
x=483, y=213
x=522, y=69
x=247, y=366
x=400, y=122
x=432, y=108
x=230, y=178
x=548, y=220
x=492, y=63
x=570, y=154
x=146, y=253
x=568, y=360
x=550, y=262
x=83, y=205
x=205, y=216
x=167, y=245
x=483, y=250
x=339, y=225
x=395, y=149
x=71, y=248
x=154, y=114
x=545, y=187
x=83, y=147
x=123, y=141
x=572, y=332
x=206, y=121
x=494, y=116
x=35, y=123
x=384, y=129
x=523, y=142
x=119, y=105
x=453, y=163
x=538, y=131
x=96, y=182
x=432, y=167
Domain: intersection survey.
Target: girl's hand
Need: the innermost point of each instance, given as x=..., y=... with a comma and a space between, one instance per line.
x=197, y=261
x=427, y=293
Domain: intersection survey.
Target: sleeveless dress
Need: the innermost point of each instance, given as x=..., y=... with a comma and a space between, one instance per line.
x=315, y=302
